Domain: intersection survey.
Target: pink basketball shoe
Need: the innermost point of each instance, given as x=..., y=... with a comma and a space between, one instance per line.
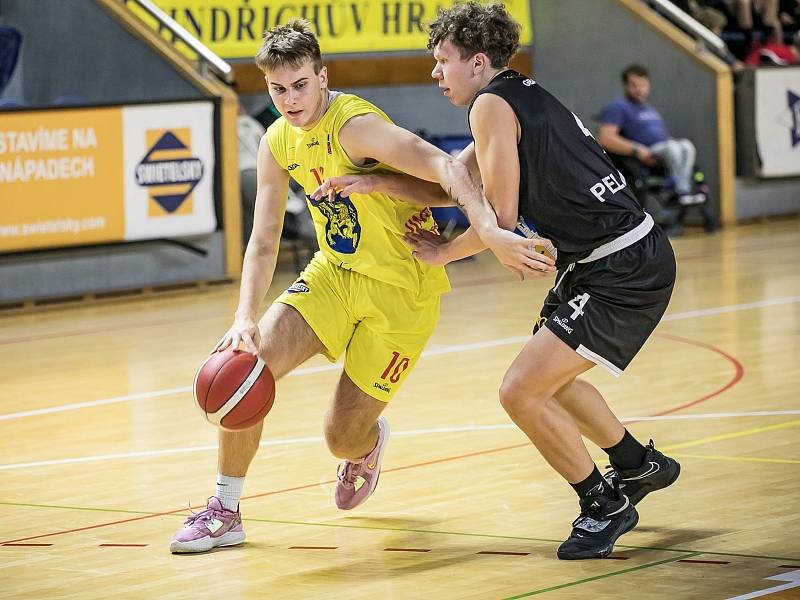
x=212, y=527
x=358, y=479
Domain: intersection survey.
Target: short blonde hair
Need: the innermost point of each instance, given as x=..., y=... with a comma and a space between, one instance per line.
x=291, y=44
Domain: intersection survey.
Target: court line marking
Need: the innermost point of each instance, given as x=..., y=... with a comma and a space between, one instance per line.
x=306, y=486
x=732, y=435
x=778, y=461
x=406, y=433
x=617, y=546
x=450, y=349
x=597, y=577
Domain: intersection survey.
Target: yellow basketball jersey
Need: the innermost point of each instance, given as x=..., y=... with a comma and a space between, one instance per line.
x=363, y=232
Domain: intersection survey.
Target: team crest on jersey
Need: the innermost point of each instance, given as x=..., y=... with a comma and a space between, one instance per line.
x=298, y=287
x=169, y=171
x=342, y=231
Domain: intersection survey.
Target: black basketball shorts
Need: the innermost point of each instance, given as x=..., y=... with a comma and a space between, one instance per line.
x=606, y=309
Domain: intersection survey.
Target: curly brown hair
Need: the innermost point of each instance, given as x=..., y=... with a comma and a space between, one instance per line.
x=291, y=44
x=472, y=28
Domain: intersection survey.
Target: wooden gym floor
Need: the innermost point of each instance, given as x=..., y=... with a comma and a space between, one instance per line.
x=101, y=451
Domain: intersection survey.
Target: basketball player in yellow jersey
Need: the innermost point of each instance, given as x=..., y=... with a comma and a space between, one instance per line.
x=363, y=294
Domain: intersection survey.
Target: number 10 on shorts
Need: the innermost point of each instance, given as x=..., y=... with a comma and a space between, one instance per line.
x=577, y=303
x=395, y=368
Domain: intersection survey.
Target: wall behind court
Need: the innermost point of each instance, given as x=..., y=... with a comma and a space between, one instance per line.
x=108, y=66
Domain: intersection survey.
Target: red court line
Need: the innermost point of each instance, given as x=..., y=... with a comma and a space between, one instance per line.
x=312, y=547
x=36, y=537
x=13, y=544
x=705, y=562
x=736, y=378
x=406, y=550
x=122, y=545
x=503, y=553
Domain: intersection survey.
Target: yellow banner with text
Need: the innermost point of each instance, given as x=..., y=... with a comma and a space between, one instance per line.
x=71, y=177
x=233, y=29
x=57, y=172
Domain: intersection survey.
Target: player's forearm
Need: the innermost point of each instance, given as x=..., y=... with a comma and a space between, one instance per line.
x=257, y=271
x=466, y=194
x=411, y=189
x=466, y=244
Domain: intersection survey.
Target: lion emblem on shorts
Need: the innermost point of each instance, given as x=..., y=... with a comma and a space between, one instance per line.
x=342, y=231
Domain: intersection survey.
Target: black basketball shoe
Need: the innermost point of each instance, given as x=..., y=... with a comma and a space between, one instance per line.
x=657, y=472
x=602, y=520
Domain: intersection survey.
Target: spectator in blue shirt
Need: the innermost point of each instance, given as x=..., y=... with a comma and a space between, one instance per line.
x=630, y=126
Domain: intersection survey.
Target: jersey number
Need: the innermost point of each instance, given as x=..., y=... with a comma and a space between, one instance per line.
x=577, y=303
x=395, y=369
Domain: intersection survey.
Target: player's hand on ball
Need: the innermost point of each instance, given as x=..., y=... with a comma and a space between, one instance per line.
x=429, y=247
x=523, y=256
x=345, y=185
x=244, y=331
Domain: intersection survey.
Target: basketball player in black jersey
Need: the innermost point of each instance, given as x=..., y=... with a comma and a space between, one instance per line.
x=545, y=175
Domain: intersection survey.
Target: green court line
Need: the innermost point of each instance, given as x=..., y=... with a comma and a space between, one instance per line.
x=410, y=530
x=604, y=576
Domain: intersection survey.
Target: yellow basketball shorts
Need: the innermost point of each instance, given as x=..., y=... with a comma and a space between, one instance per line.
x=381, y=328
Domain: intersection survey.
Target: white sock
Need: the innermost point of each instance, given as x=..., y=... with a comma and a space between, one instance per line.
x=229, y=491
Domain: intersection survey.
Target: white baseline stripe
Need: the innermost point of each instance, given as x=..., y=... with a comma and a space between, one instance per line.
x=407, y=433
x=430, y=352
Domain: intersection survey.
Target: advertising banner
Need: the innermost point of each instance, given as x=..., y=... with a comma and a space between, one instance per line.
x=233, y=29
x=778, y=121
x=85, y=176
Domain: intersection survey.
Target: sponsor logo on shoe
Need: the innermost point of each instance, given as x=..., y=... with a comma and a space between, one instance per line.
x=654, y=468
x=214, y=525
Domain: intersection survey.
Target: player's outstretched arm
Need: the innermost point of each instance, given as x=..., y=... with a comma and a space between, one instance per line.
x=261, y=254
x=399, y=185
x=370, y=137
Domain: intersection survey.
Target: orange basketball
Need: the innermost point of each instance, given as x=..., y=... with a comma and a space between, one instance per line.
x=234, y=389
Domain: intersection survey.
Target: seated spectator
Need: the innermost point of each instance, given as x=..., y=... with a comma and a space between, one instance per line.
x=629, y=126
x=773, y=51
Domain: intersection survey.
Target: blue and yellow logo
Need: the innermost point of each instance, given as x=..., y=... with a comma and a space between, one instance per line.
x=169, y=171
x=342, y=231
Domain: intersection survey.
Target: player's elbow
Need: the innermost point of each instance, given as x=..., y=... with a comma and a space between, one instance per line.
x=507, y=219
x=453, y=172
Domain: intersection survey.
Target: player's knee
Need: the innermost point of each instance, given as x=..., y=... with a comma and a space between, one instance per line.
x=517, y=395
x=512, y=395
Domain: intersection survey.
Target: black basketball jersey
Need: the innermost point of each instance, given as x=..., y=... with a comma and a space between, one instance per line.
x=569, y=190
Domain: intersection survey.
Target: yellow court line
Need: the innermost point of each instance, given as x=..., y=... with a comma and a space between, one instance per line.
x=728, y=436
x=781, y=461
